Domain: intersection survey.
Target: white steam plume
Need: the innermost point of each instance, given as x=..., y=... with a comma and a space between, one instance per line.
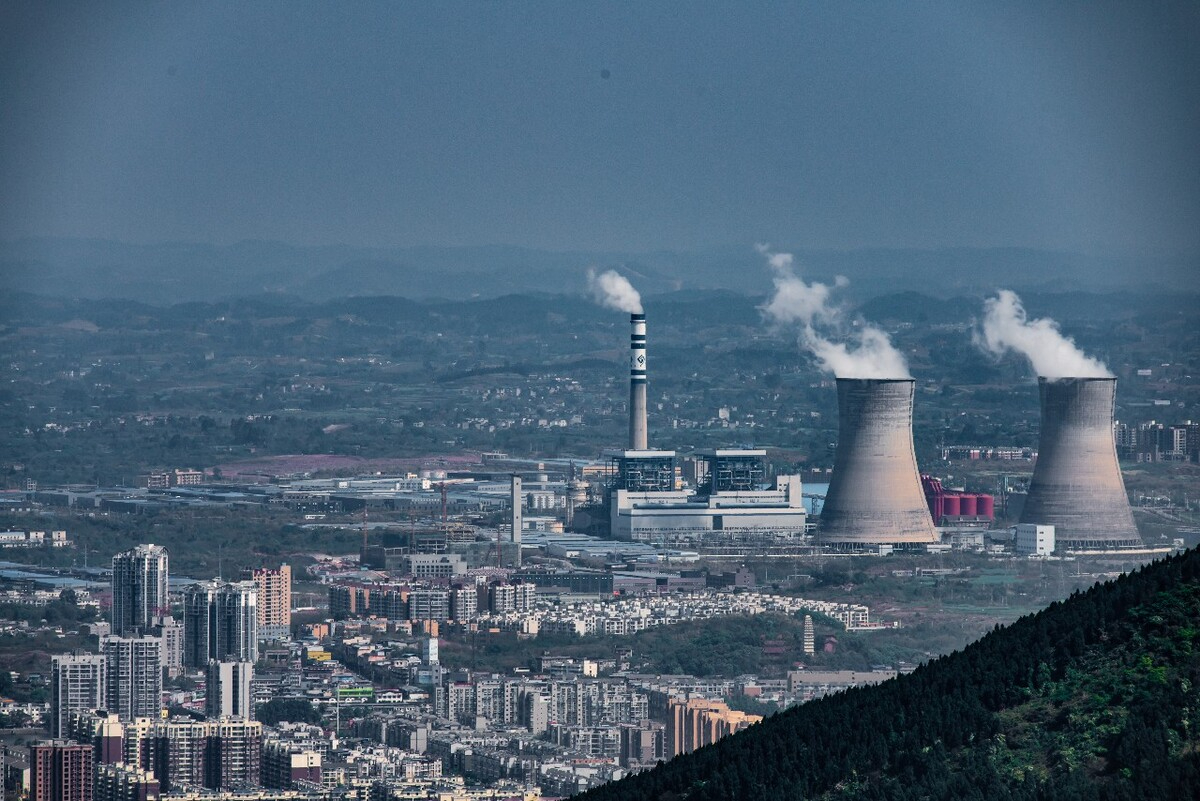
x=873, y=357
x=808, y=305
x=613, y=290
x=1051, y=354
x=794, y=300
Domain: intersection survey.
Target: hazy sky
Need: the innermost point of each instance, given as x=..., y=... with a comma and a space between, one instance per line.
x=595, y=125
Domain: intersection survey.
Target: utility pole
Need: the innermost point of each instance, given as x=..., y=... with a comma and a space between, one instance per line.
x=445, y=518
x=364, y=528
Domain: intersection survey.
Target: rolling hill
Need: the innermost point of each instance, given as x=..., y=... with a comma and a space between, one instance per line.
x=1092, y=698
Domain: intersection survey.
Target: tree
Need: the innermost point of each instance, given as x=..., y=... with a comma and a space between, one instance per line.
x=294, y=710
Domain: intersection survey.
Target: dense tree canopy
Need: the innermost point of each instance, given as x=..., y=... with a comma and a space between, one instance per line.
x=1087, y=699
x=294, y=710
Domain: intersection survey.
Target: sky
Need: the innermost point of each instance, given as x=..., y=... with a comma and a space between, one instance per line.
x=605, y=126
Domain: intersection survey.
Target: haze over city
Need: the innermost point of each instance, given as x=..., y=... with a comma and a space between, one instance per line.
x=605, y=126
x=526, y=400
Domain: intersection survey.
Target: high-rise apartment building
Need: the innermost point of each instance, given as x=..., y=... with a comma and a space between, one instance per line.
x=60, y=771
x=139, y=588
x=227, y=690
x=285, y=763
x=464, y=603
x=121, y=782
x=235, y=753
x=77, y=682
x=133, y=676
x=220, y=621
x=274, y=601
x=176, y=750
x=170, y=631
x=103, y=730
x=215, y=754
x=697, y=722
x=429, y=603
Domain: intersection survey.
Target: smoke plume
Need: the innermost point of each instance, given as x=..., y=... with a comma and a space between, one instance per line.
x=1052, y=355
x=868, y=353
x=613, y=290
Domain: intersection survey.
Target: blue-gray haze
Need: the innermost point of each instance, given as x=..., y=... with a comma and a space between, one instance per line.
x=605, y=126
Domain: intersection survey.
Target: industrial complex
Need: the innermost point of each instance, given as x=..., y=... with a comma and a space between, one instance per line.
x=877, y=499
x=718, y=500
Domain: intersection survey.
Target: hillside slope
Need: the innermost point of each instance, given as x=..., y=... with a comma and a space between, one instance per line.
x=1091, y=698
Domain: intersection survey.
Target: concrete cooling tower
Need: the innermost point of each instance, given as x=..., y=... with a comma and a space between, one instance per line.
x=1077, y=485
x=875, y=494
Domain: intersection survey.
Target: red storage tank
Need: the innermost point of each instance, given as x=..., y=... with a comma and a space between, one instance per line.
x=950, y=506
x=967, y=505
x=986, y=507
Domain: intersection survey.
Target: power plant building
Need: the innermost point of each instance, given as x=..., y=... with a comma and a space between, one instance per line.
x=1077, y=485
x=731, y=505
x=1034, y=540
x=647, y=504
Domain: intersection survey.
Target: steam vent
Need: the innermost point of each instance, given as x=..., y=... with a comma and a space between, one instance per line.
x=875, y=494
x=1077, y=485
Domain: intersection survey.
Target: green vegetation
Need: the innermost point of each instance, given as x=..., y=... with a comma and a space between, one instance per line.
x=63, y=612
x=723, y=646
x=1090, y=698
x=201, y=544
x=28, y=653
x=751, y=706
x=295, y=710
x=103, y=390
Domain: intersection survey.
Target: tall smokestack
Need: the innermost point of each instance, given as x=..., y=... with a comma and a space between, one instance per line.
x=875, y=494
x=518, y=523
x=637, y=383
x=1077, y=485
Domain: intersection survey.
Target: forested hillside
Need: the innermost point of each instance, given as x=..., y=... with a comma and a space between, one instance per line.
x=1092, y=698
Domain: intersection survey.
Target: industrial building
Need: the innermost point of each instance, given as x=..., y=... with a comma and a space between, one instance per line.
x=731, y=505
x=875, y=495
x=956, y=507
x=1034, y=540
x=1077, y=485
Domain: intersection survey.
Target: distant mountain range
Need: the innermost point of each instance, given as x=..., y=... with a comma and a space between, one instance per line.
x=181, y=272
x=1091, y=698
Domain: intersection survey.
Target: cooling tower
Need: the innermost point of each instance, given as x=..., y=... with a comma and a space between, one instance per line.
x=1077, y=485
x=637, y=382
x=875, y=494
